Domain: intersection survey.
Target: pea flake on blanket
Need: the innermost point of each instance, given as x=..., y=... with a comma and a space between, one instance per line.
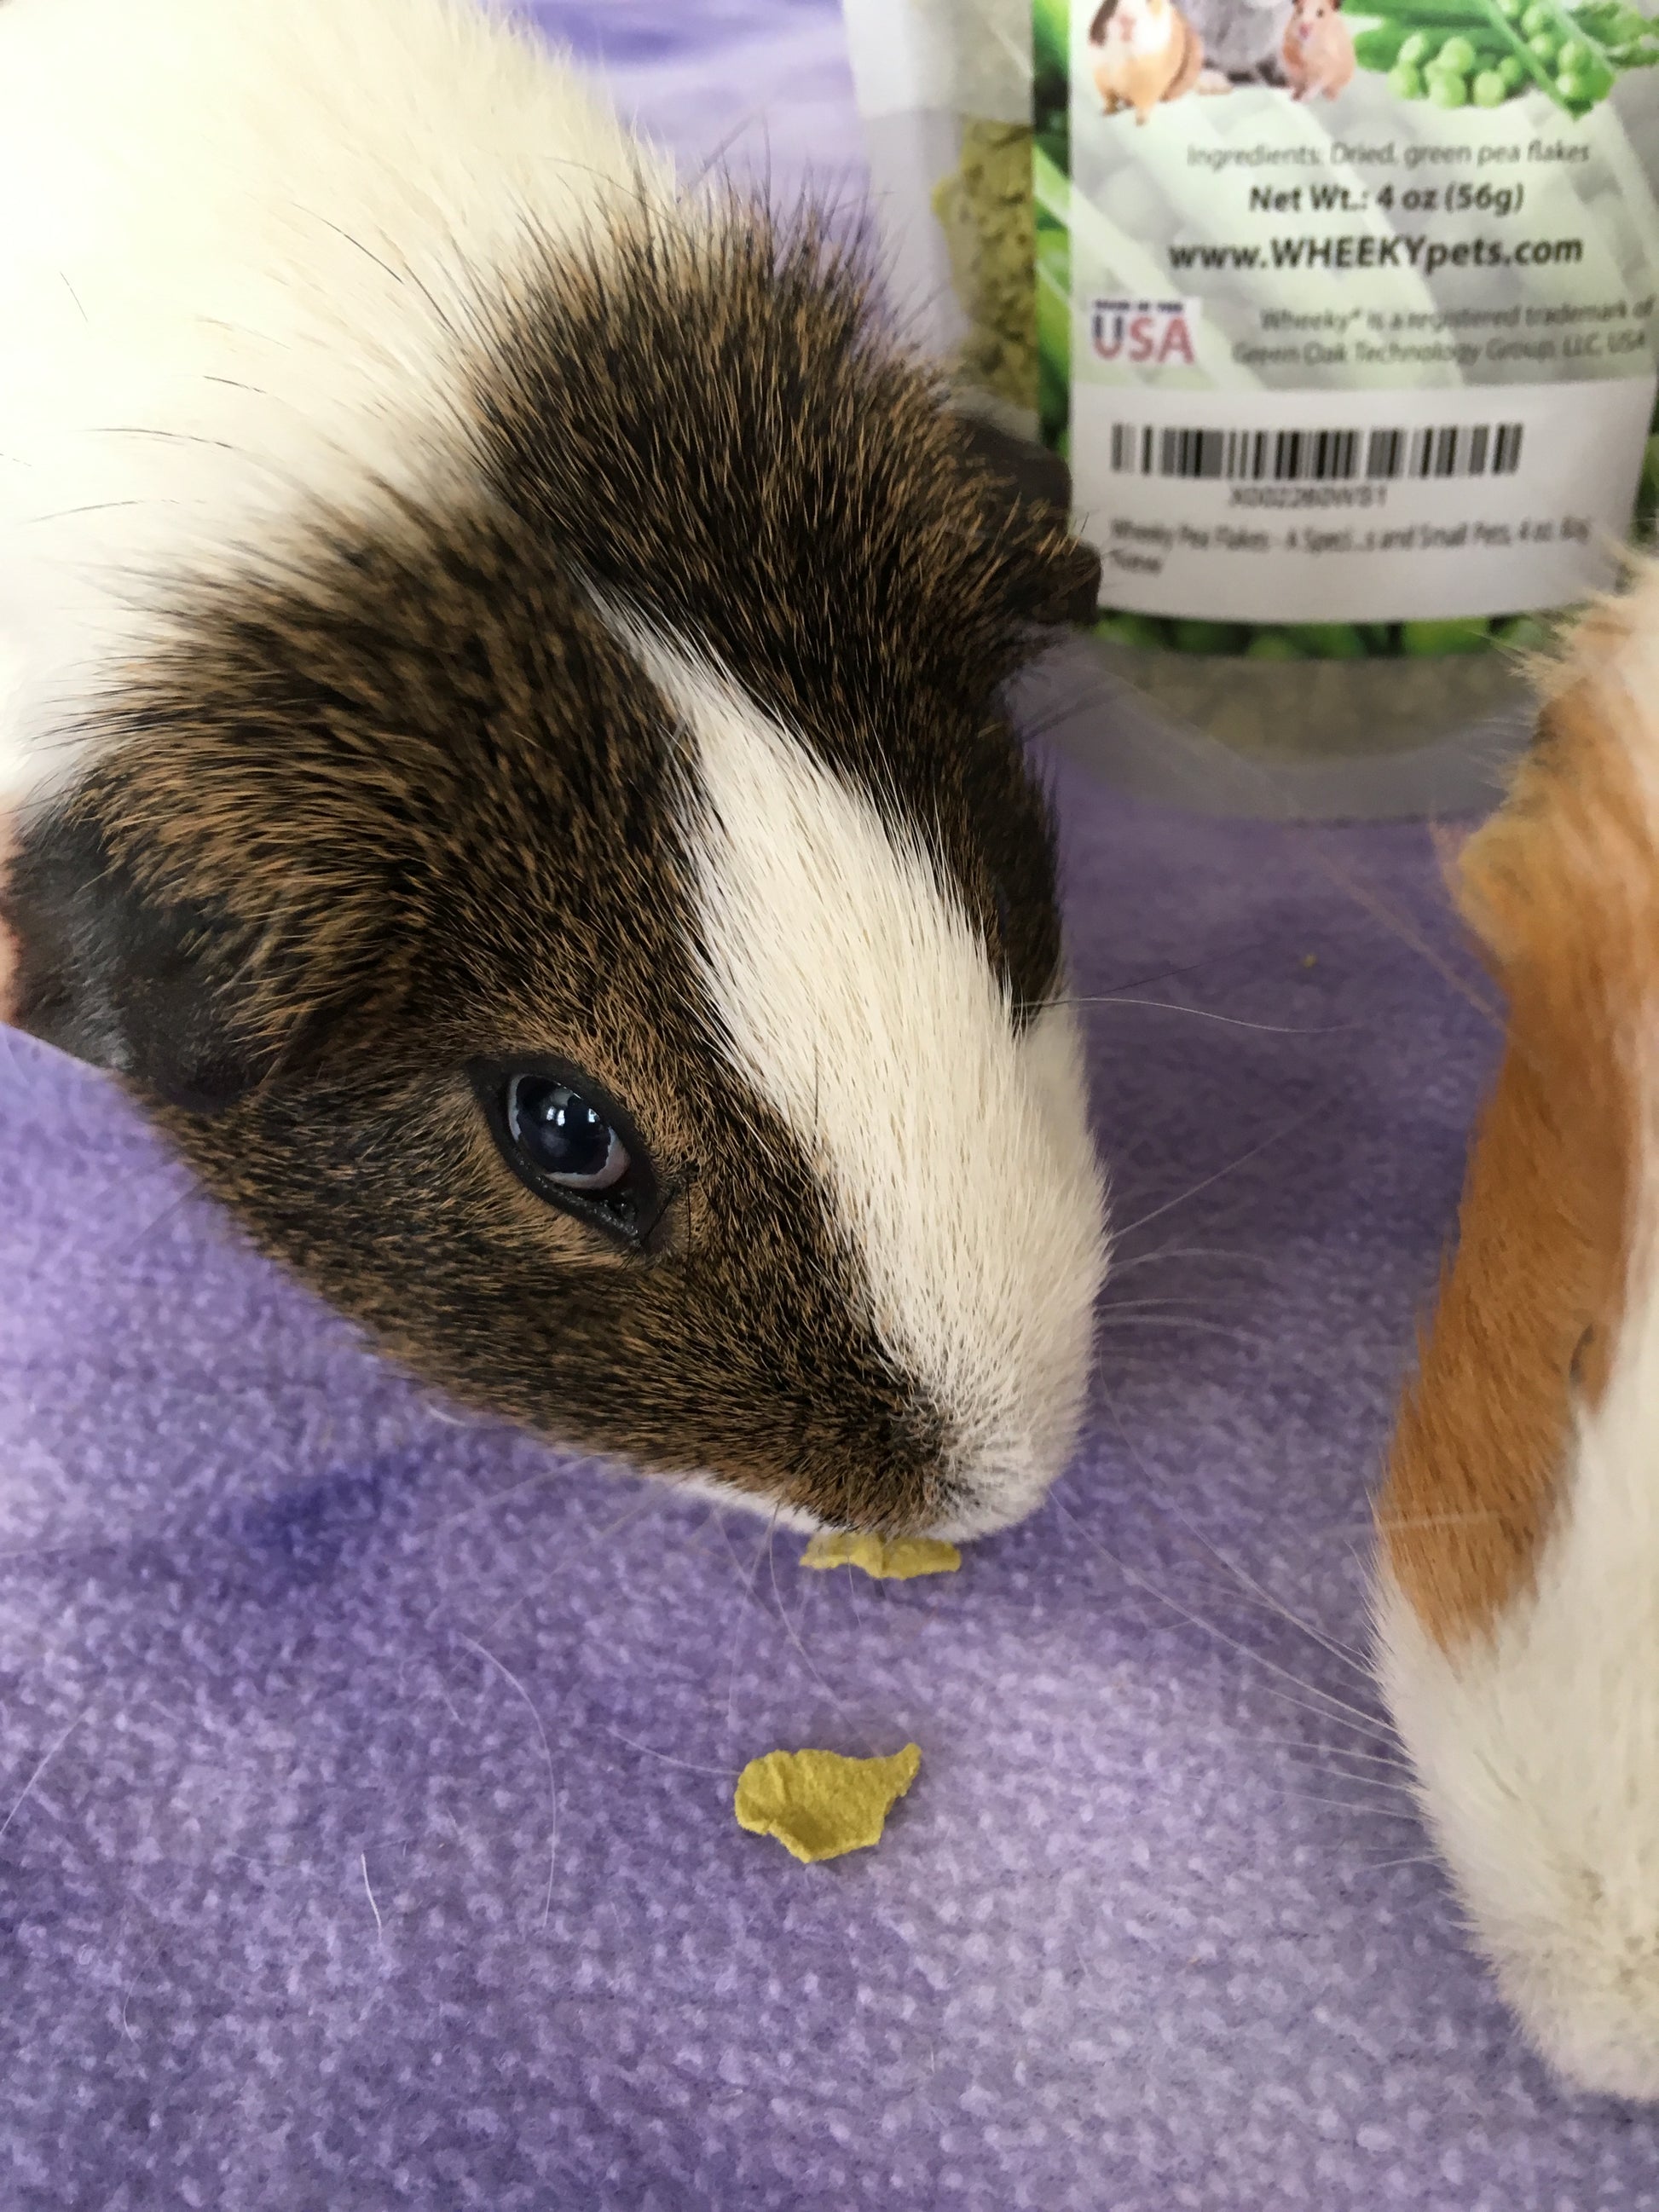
x=819, y=1804
x=889, y=1559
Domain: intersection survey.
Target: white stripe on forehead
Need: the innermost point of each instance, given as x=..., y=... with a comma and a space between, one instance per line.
x=860, y=1003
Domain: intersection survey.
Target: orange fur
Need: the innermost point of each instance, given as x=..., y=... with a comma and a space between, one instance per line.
x=1562, y=887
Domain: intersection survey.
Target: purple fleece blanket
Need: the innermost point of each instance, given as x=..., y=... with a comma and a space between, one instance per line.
x=366, y=1832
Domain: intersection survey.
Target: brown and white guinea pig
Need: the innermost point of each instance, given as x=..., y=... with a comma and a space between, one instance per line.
x=1519, y=1528
x=503, y=732
x=1318, y=50
x=1148, y=52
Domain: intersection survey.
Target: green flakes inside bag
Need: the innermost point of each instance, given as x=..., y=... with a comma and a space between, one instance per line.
x=984, y=209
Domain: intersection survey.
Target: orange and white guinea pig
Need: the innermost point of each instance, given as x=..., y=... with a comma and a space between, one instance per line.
x=1148, y=52
x=1518, y=1599
x=1318, y=50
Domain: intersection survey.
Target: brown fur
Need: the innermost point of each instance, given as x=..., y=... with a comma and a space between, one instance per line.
x=405, y=806
x=1562, y=890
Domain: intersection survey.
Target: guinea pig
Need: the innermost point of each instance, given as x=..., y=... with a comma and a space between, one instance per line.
x=1242, y=41
x=1148, y=53
x=505, y=740
x=1518, y=1597
x=1318, y=50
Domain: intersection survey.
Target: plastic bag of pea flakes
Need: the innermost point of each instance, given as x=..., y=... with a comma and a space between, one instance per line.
x=1342, y=312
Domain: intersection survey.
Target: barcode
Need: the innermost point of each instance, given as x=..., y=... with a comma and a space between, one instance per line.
x=1459, y=449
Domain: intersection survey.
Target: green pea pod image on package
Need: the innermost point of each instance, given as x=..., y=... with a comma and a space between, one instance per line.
x=1495, y=51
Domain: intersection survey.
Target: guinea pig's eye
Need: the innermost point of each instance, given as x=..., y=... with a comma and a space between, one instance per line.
x=564, y=1136
x=567, y=1142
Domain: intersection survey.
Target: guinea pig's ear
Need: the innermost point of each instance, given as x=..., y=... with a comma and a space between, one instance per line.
x=1050, y=576
x=152, y=989
x=1059, y=582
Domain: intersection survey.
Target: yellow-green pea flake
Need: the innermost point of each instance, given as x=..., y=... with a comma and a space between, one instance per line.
x=820, y=1804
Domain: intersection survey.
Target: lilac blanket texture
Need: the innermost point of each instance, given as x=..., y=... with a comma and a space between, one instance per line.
x=365, y=1774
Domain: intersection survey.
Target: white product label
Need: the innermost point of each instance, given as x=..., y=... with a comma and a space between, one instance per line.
x=1347, y=310
x=1475, y=500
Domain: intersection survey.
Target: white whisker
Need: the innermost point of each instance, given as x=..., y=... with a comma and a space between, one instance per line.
x=1188, y=1252
x=646, y=1751
x=1208, y=1014
x=1335, y=1751
x=1129, y=1228
x=1351, y=1715
x=40, y=1768
x=547, y=1755
x=1343, y=1804
x=807, y=1660
x=379, y=1925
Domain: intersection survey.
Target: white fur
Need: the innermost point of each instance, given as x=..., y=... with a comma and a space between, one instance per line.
x=1537, y=1745
x=1538, y=1752
x=242, y=246
x=859, y=1002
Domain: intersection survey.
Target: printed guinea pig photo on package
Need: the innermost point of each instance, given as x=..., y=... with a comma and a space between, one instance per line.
x=828, y=1100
